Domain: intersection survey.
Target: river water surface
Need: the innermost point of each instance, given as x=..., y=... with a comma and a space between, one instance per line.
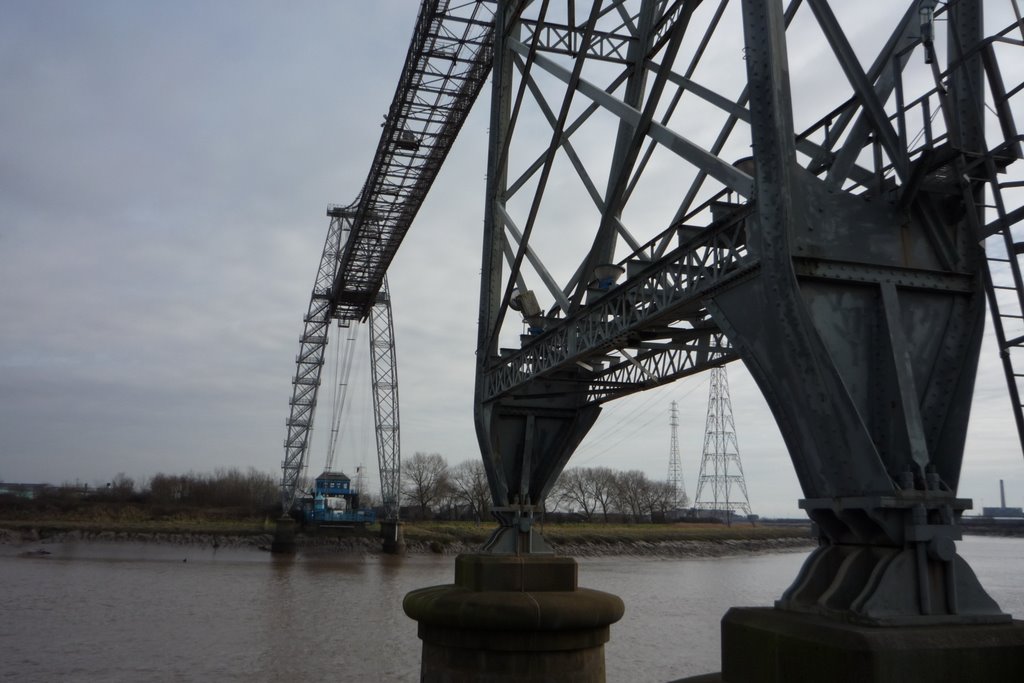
x=127, y=612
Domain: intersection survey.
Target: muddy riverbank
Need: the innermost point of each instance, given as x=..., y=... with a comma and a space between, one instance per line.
x=36, y=539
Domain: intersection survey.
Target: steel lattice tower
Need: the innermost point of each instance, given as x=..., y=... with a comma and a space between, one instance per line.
x=721, y=486
x=675, y=467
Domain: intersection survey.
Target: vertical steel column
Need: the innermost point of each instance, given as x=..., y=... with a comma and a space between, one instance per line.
x=627, y=138
x=491, y=281
x=384, y=377
x=870, y=378
x=310, y=361
x=526, y=437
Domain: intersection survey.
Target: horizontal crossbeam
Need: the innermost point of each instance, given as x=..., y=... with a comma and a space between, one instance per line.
x=640, y=310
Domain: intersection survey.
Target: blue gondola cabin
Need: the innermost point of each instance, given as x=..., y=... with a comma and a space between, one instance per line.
x=334, y=500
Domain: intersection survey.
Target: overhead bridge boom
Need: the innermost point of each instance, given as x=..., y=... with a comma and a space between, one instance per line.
x=448, y=61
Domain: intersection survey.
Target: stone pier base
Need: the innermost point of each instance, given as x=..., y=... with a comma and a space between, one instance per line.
x=512, y=618
x=766, y=645
x=284, y=536
x=392, y=538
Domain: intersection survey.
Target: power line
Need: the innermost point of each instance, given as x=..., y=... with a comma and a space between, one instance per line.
x=619, y=425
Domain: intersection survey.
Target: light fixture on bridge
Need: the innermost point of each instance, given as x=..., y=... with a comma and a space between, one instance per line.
x=515, y=301
x=746, y=164
x=607, y=274
x=927, y=12
x=524, y=301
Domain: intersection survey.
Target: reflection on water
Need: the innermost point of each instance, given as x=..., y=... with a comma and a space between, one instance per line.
x=107, y=611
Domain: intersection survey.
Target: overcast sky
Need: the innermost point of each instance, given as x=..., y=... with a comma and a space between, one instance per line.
x=164, y=173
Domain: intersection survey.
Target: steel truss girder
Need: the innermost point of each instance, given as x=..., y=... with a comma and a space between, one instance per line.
x=444, y=70
x=667, y=292
x=653, y=366
x=613, y=45
x=729, y=175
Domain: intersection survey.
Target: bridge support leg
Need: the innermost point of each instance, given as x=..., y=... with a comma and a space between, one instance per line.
x=284, y=536
x=392, y=537
x=512, y=618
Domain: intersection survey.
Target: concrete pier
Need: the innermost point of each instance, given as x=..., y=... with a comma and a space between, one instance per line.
x=284, y=536
x=508, y=618
x=392, y=537
x=767, y=645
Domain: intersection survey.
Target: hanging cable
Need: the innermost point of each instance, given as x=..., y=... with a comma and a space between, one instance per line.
x=626, y=427
x=343, y=369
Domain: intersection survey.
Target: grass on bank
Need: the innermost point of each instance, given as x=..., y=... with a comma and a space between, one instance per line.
x=131, y=518
x=117, y=517
x=598, y=533
x=46, y=527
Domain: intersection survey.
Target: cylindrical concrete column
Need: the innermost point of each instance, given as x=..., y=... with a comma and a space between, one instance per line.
x=512, y=618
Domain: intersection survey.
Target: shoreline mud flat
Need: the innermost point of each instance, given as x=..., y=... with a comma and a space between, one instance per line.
x=688, y=549
x=40, y=538
x=34, y=540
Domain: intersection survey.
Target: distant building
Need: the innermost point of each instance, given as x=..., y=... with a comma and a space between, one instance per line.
x=726, y=515
x=1002, y=510
x=24, y=490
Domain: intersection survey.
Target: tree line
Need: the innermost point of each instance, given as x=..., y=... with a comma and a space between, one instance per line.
x=603, y=494
x=230, y=488
x=432, y=489
x=249, y=491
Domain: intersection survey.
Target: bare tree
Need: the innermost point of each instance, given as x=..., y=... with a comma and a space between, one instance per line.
x=588, y=490
x=424, y=480
x=367, y=499
x=631, y=493
x=602, y=483
x=573, y=492
x=661, y=499
x=446, y=505
x=469, y=482
x=121, y=487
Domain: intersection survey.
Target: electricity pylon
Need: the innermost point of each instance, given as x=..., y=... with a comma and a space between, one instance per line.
x=675, y=467
x=721, y=488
